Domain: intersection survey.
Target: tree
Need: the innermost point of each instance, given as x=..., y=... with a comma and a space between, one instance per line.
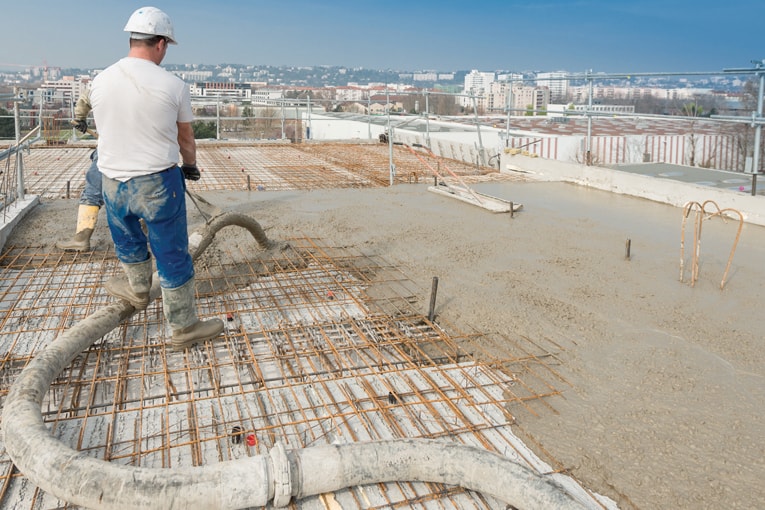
x=204, y=129
x=441, y=104
x=7, y=125
x=247, y=114
x=265, y=126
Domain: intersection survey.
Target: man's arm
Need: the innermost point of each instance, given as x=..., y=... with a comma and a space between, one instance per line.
x=81, y=111
x=188, y=147
x=83, y=106
x=187, y=143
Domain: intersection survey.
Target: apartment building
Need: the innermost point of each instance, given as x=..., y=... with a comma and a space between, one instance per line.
x=556, y=83
x=497, y=97
x=220, y=90
x=527, y=98
x=66, y=90
x=477, y=84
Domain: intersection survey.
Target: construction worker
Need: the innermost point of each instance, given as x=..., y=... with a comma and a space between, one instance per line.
x=143, y=114
x=91, y=198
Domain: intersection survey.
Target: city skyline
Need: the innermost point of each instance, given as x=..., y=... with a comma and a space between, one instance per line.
x=575, y=35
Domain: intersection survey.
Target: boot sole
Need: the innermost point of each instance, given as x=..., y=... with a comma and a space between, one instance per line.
x=73, y=248
x=181, y=345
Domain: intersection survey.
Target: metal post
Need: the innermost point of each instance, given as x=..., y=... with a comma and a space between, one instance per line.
x=19, y=157
x=427, y=120
x=390, y=138
x=588, y=154
x=283, y=115
x=369, y=115
x=217, y=116
x=758, y=132
x=308, y=128
x=508, y=104
x=481, y=154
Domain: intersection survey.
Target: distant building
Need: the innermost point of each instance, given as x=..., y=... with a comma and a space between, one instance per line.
x=343, y=94
x=65, y=90
x=194, y=75
x=425, y=76
x=217, y=89
x=476, y=84
x=266, y=96
x=497, y=96
x=556, y=82
x=530, y=99
x=559, y=110
x=580, y=94
x=510, y=77
x=383, y=103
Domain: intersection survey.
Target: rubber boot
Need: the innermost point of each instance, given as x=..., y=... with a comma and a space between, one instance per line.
x=180, y=311
x=134, y=285
x=87, y=215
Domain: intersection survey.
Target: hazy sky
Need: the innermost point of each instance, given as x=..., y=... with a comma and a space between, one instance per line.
x=411, y=35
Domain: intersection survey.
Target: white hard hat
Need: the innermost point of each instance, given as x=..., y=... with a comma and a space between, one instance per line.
x=148, y=22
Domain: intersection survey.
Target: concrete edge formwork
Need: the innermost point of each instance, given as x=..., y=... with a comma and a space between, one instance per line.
x=666, y=191
x=13, y=214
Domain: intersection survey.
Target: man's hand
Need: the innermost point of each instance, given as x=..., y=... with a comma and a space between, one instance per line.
x=80, y=125
x=190, y=172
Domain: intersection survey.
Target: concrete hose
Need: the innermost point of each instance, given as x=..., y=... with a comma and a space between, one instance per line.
x=253, y=481
x=198, y=242
x=330, y=468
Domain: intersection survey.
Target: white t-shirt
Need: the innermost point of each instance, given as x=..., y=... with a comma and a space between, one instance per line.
x=136, y=105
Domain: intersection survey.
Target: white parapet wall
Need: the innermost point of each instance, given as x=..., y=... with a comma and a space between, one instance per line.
x=13, y=213
x=666, y=191
x=446, y=139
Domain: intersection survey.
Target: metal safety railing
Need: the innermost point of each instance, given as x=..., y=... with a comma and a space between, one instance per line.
x=12, y=181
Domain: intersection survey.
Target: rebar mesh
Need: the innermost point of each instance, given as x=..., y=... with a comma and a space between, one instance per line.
x=55, y=172
x=322, y=345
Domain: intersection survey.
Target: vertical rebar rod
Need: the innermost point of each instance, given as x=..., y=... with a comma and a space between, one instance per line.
x=433, y=291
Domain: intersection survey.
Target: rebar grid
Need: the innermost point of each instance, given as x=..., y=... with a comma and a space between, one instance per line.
x=52, y=171
x=59, y=172
x=322, y=345
x=372, y=161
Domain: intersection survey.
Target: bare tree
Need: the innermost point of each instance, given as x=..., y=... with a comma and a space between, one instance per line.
x=441, y=104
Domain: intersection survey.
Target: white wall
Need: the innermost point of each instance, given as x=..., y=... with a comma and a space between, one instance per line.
x=666, y=191
x=331, y=128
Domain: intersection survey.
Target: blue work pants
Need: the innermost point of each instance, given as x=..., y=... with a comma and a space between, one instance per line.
x=91, y=194
x=159, y=200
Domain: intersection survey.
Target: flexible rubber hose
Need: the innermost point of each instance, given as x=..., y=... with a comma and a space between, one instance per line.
x=333, y=467
x=92, y=483
x=198, y=243
x=253, y=481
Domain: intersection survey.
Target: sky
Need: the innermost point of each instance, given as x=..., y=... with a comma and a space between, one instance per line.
x=415, y=35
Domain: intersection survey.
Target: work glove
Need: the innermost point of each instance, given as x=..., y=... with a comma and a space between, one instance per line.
x=80, y=125
x=190, y=172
